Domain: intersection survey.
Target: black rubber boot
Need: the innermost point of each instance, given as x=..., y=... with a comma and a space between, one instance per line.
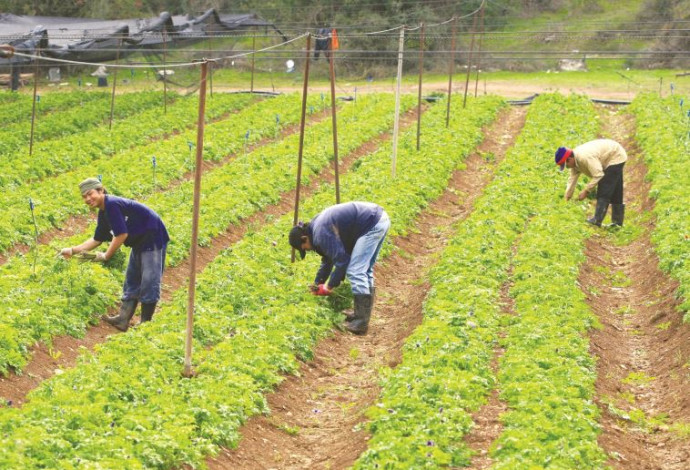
x=599, y=212
x=147, y=311
x=359, y=322
x=617, y=214
x=121, y=320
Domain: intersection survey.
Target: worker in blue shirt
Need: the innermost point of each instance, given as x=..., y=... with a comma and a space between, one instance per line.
x=126, y=222
x=348, y=237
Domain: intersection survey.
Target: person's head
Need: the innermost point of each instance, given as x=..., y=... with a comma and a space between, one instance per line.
x=92, y=192
x=565, y=157
x=299, y=239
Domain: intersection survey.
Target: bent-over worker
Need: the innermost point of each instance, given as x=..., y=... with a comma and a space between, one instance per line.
x=348, y=237
x=603, y=161
x=126, y=222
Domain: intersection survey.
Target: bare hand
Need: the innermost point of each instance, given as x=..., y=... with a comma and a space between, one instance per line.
x=582, y=195
x=66, y=252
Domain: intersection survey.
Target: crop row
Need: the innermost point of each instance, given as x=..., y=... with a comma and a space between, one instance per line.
x=132, y=172
x=666, y=148
x=17, y=107
x=55, y=156
x=255, y=183
x=253, y=316
x=427, y=402
x=16, y=136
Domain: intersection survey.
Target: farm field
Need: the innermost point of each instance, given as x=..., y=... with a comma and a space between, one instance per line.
x=507, y=332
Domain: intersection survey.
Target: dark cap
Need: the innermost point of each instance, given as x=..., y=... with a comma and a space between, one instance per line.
x=562, y=154
x=296, y=234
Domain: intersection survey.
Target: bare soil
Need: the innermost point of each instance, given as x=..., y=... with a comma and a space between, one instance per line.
x=317, y=416
x=66, y=349
x=643, y=347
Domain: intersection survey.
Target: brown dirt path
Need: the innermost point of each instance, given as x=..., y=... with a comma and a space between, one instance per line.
x=66, y=349
x=317, y=416
x=643, y=347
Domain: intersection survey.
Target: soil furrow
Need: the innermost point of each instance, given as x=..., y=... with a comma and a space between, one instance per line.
x=317, y=419
x=643, y=346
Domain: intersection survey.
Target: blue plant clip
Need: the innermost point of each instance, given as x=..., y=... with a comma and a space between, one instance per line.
x=153, y=161
x=31, y=204
x=100, y=178
x=277, y=119
x=190, y=144
x=246, y=136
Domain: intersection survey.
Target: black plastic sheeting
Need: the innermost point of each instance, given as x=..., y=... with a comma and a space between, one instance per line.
x=87, y=40
x=529, y=99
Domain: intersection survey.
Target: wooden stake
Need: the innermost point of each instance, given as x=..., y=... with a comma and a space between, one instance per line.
x=479, y=50
x=195, y=221
x=451, y=68
x=469, y=62
x=335, y=126
x=301, y=136
x=33, y=107
x=396, y=123
x=419, y=92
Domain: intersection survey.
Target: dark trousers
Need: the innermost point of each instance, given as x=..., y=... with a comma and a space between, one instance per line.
x=610, y=187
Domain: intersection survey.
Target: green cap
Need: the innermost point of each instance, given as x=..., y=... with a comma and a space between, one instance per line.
x=88, y=184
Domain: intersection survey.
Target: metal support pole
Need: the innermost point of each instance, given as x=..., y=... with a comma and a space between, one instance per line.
x=469, y=61
x=112, y=98
x=251, y=87
x=479, y=49
x=335, y=126
x=165, y=75
x=451, y=68
x=419, y=92
x=195, y=222
x=33, y=107
x=301, y=136
x=396, y=124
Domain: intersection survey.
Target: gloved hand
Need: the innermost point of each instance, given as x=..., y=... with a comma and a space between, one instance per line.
x=322, y=290
x=66, y=252
x=100, y=257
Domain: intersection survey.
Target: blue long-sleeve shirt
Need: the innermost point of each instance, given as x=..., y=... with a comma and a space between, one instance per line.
x=144, y=227
x=333, y=234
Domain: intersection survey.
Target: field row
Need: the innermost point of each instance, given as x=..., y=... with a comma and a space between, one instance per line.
x=545, y=375
x=254, y=315
x=71, y=296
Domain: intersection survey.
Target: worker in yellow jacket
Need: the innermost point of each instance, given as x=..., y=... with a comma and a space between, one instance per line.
x=602, y=160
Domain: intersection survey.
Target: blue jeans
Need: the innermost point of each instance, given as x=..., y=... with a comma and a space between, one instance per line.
x=143, y=276
x=360, y=271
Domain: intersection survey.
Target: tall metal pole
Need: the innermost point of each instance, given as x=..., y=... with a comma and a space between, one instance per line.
x=112, y=98
x=251, y=88
x=335, y=125
x=33, y=108
x=419, y=92
x=195, y=222
x=165, y=75
x=479, y=49
x=469, y=61
x=451, y=68
x=211, y=66
x=301, y=136
x=396, y=124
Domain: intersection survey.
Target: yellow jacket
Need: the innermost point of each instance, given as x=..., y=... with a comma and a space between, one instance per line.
x=591, y=159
